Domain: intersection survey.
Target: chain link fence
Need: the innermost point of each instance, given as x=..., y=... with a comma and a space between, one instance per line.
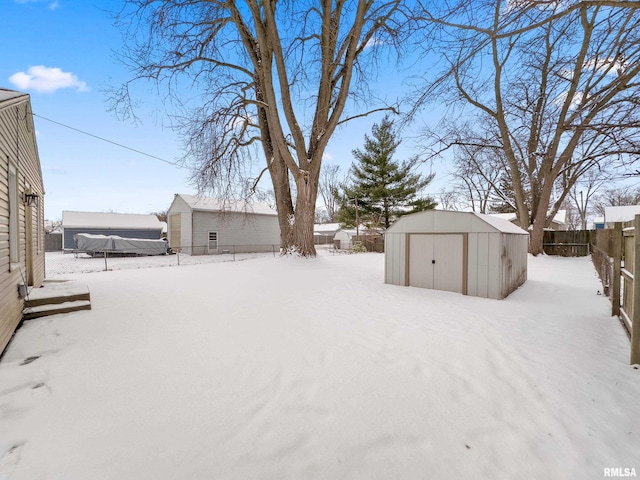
x=61, y=264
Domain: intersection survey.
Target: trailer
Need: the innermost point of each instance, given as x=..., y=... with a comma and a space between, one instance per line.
x=113, y=244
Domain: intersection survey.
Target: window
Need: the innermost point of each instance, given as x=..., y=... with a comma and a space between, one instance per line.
x=213, y=241
x=14, y=239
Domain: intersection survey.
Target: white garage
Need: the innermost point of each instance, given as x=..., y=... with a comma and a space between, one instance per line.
x=462, y=252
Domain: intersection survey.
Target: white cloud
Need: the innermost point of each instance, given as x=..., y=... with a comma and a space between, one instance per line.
x=327, y=156
x=52, y=4
x=47, y=79
x=575, y=101
x=612, y=65
x=372, y=42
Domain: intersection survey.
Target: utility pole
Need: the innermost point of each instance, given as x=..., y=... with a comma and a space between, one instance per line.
x=357, y=220
x=582, y=213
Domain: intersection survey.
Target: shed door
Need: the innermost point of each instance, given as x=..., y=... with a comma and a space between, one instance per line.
x=435, y=261
x=175, y=231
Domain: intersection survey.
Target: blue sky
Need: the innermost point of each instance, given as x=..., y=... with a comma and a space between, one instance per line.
x=61, y=53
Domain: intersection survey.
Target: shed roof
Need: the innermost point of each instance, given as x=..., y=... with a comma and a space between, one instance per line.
x=435, y=221
x=217, y=205
x=72, y=219
x=623, y=213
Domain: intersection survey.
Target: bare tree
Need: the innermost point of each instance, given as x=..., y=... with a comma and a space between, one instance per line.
x=558, y=81
x=161, y=215
x=277, y=74
x=452, y=199
x=616, y=197
x=586, y=191
x=331, y=182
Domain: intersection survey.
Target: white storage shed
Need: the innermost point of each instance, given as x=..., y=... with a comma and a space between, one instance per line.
x=462, y=252
x=343, y=238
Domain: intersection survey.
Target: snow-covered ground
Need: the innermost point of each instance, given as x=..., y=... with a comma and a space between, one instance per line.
x=284, y=368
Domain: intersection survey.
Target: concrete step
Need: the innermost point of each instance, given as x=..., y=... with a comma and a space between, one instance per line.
x=56, y=297
x=29, y=313
x=57, y=292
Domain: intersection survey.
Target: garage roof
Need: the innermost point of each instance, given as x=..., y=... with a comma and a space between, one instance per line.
x=217, y=205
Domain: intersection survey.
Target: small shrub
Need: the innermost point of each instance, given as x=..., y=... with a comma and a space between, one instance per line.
x=358, y=247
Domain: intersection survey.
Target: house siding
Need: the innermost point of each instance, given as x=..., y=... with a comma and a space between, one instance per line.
x=237, y=232
x=18, y=147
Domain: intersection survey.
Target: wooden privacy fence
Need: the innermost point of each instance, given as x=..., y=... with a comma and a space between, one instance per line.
x=568, y=243
x=614, y=256
x=373, y=243
x=601, y=255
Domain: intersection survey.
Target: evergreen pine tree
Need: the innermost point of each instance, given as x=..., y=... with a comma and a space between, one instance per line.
x=381, y=188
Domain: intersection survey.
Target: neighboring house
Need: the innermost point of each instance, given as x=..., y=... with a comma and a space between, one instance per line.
x=624, y=213
x=207, y=226
x=126, y=225
x=598, y=223
x=323, y=233
x=464, y=252
x=21, y=210
x=558, y=222
x=52, y=236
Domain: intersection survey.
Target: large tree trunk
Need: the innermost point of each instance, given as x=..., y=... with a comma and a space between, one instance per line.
x=307, y=192
x=536, y=238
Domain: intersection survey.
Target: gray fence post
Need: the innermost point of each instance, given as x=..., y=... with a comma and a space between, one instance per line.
x=635, y=321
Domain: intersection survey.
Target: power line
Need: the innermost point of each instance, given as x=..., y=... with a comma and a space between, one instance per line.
x=174, y=164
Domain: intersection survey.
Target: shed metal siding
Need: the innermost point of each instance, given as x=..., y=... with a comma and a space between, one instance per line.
x=395, y=258
x=18, y=146
x=514, y=263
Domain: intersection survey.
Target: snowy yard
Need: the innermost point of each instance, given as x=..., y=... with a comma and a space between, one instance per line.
x=277, y=368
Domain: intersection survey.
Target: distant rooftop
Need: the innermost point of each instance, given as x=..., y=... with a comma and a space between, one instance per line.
x=623, y=213
x=109, y=220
